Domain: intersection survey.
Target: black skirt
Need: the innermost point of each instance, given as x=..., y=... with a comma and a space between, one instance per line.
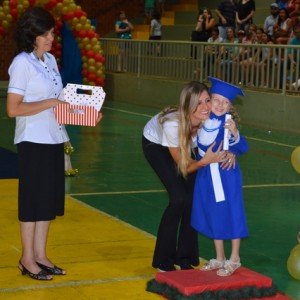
x=41, y=181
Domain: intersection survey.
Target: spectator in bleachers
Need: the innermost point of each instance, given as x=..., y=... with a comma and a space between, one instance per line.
x=295, y=41
x=259, y=35
x=240, y=34
x=252, y=30
x=282, y=27
x=295, y=23
x=214, y=38
x=226, y=12
x=228, y=57
x=262, y=57
x=271, y=19
x=123, y=29
x=293, y=9
x=212, y=51
x=155, y=27
x=205, y=23
x=244, y=14
x=293, y=55
x=155, y=33
x=246, y=56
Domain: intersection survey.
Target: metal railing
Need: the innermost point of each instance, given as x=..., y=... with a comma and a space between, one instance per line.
x=256, y=66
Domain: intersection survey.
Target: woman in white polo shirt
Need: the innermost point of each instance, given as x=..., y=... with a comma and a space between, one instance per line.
x=168, y=142
x=34, y=87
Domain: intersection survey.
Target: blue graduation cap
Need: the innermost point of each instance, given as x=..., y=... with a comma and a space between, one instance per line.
x=225, y=89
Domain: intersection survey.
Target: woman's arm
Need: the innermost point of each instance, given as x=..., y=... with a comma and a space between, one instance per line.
x=17, y=108
x=210, y=23
x=120, y=30
x=128, y=23
x=208, y=158
x=249, y=16
x=223, y=20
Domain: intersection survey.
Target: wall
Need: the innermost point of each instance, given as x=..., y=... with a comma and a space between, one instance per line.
x=264, y=110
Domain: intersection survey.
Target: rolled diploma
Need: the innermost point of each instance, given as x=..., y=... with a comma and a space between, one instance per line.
x=226, y=134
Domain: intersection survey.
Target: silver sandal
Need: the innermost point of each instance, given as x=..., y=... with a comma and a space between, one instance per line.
x=229, y=268
x=213, y=264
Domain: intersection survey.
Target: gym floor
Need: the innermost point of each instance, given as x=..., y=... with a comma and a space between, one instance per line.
x=105, y=240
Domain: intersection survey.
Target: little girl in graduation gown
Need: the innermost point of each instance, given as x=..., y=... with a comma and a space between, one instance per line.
x=218, y=209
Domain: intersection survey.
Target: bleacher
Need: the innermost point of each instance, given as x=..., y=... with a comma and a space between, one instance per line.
x=179, y=20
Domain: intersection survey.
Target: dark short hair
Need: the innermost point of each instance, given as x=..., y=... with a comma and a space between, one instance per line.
x=33, y=23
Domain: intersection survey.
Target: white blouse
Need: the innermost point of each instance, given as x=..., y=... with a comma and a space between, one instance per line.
x=37, y=80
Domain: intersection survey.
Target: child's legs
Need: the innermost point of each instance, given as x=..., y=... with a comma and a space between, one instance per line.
x=220, y=253
x=235, y=250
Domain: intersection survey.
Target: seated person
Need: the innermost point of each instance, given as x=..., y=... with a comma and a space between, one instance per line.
x=282, y=28
x=271, y=19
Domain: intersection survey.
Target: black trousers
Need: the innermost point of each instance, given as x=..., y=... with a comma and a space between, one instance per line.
x=176, y=241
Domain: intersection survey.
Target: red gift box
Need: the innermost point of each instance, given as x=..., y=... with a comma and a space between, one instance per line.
x=84, y=104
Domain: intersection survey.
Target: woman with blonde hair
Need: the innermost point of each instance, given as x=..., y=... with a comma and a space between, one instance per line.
x=168, y=142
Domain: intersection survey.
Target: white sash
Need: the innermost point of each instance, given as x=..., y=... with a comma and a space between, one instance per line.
x=216, y=179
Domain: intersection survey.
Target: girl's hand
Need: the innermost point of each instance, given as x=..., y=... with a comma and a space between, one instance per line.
x=231, y=125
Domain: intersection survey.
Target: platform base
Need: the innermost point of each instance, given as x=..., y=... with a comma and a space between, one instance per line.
x=188, y=284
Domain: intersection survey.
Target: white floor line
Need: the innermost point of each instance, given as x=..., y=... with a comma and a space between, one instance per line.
x=163, y=191
x=74, y=283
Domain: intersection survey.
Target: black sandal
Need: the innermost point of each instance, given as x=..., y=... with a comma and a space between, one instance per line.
x=52, y=271
x=42, y=275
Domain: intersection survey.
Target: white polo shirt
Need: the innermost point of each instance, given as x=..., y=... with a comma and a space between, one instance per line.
x=37, y=80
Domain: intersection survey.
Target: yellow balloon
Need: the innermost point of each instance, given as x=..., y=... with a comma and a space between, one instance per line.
x=96, y=48
x=295, y=159
x=20, y=7
x=295, y=249
x=78, y=26
x=293, y=263
x=5, y=24
x=91, y=61
x=92, y=69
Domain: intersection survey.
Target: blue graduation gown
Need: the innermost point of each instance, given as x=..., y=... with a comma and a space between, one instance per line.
x=224, y=219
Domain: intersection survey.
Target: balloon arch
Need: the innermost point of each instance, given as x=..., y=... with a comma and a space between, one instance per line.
x=85, y=34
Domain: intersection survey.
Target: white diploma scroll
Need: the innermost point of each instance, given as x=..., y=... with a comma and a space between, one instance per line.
x=226, y=134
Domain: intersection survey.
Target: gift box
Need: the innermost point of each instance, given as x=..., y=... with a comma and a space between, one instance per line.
x=83, y=104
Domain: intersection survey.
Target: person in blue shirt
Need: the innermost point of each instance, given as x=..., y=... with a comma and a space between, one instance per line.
x=218, y=209
x=123, y=29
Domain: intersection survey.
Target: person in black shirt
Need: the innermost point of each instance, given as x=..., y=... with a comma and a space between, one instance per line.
x=226, y=12
x=244, y=14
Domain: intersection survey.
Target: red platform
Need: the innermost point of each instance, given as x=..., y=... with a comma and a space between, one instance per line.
x=189, y=282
